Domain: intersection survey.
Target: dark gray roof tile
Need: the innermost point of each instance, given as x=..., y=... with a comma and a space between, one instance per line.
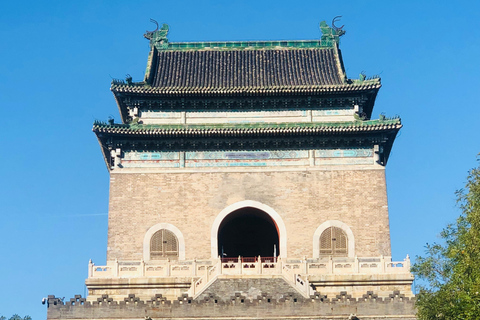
x=213, y=70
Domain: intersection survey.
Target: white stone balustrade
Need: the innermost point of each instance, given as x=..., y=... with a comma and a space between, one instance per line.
x=260, y=266
x=167, y=268
x=204, y=282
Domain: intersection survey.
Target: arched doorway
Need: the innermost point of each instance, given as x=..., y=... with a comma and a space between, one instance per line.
x=281, y=228
x=248, y=232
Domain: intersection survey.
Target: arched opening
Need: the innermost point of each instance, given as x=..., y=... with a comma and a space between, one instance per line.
x=162, y=241
x=163, y=245
x=248, y=232
x=333, y=242
x=333, y=238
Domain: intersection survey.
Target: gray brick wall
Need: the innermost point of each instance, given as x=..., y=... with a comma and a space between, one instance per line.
x=303, y=199
x=395, y=307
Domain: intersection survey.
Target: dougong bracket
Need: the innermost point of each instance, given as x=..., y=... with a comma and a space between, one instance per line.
x=158, y=38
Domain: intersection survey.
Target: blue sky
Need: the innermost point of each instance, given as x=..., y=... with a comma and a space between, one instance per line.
x=57, y=59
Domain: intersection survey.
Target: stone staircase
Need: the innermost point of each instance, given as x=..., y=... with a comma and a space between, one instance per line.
x=280, y=278
x=271, y=287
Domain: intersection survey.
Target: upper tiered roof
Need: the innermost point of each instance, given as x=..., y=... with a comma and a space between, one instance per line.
x=216, y=70
x=249, y=67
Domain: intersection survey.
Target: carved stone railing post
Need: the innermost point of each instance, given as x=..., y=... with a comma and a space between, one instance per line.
x=330, y=264
x=304, y=264
x=90, y=268
x=240, y=271
x=194, y=266
x=259, y=265
x=382, y=264
x=221, y=265
x=167, y=268
x=406, y=265
x=115, y=268
x=356, y=265
x=142, y=268
x=307, y=287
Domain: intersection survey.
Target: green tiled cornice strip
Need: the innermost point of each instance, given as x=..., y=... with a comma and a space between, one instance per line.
x=250, y=45
x=260, y=127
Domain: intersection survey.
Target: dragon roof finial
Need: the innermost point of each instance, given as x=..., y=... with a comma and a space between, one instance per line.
x=331, y=33
x=156, y=29
x=338, y=30
x=158, y=37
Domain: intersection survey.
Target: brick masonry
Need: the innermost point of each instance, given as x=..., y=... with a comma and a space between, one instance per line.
x=192, y=200
x=343, y=306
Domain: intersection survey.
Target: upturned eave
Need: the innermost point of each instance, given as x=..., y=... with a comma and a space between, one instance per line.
x=247, y=128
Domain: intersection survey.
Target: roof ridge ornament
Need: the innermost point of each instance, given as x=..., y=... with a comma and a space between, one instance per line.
x=339, y=30
x=333, y=33
x=158, y=38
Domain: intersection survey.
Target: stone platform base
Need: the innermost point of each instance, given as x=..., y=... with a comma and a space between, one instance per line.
x=144, y=288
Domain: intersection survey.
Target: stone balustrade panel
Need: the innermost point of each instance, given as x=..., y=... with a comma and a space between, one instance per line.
x=235, y=267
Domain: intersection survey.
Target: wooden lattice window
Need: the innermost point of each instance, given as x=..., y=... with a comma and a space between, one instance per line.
x=334, y=242
x=163, y=244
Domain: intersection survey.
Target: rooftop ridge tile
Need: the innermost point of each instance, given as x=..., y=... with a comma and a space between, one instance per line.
x=249, y=45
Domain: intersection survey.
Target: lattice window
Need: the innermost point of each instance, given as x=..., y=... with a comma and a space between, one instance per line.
x=333, y=242
x=163, y=244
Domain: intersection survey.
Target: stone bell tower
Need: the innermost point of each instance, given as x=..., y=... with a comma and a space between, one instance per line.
x=246, y=178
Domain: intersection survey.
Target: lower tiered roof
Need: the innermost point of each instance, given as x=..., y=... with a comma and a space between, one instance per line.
x=248, y=136
x=246, y=129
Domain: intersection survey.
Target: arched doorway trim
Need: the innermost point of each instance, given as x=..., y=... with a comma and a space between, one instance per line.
x=169, y=227
x=282, y=230
x=338, y=224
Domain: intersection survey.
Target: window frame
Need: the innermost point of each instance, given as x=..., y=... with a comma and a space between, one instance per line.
x=330, y=236
x=341, y=225
x=163, y=244
x=151, y=232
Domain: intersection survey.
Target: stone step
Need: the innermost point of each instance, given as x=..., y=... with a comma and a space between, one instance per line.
x=250, y=288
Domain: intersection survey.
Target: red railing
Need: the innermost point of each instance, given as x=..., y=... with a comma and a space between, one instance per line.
x=250, y=260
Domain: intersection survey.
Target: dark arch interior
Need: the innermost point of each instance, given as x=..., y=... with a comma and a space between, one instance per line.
x=248, y=232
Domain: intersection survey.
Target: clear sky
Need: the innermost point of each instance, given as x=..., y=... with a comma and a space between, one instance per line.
x=57, y=59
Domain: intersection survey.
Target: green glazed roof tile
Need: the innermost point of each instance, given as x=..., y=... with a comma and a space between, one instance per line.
x=258, y=128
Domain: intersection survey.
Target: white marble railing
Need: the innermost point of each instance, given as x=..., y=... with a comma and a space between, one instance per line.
x=296, y=280
x=249, y=266
x=115, y=269
x=204, y=282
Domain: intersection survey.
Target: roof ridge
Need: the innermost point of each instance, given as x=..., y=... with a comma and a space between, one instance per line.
x=159, y=40
x=249, y=45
